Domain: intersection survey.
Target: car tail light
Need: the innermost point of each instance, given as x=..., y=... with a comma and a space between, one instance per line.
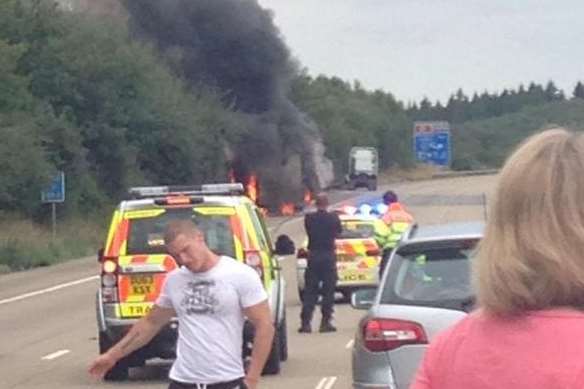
x=389, y=334
x=109, y=279
x=373, y=252
x=302, y=253
x=254, y=259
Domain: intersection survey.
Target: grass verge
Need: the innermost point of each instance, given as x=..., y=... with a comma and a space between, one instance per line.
x=25, y=245
x=417, y=173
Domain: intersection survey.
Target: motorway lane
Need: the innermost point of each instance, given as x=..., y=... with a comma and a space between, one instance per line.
x=64, y=320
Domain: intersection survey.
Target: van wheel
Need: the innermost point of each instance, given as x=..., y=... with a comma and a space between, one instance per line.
x=283, y=338
x=273, y=363
x=120, y=371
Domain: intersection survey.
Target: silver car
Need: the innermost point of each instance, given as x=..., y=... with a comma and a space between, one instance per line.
x=425, y=289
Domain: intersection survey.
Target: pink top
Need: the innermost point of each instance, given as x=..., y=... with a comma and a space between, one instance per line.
x=543, y=349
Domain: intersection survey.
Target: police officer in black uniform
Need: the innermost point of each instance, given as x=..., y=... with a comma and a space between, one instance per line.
x=322, y=228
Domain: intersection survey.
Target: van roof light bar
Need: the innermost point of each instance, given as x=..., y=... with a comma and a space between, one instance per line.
x=186, y=190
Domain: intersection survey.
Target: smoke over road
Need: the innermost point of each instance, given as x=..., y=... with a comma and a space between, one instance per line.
x=234, y=46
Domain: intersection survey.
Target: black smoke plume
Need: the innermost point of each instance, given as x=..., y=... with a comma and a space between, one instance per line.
x=234, y=46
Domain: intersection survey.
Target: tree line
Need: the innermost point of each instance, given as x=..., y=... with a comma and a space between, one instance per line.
x=461, y=108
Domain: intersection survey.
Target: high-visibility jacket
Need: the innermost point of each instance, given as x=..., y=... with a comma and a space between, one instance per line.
x=383, y=235
x=398, y=221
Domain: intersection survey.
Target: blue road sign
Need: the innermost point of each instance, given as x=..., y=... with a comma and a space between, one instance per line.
x=55, y=193
x=432, y=143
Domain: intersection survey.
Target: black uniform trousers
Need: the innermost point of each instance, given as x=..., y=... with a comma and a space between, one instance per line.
x=322, y=269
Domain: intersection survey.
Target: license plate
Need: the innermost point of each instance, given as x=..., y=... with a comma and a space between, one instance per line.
x=129, y=310
x=354, y=276
x=142, y=284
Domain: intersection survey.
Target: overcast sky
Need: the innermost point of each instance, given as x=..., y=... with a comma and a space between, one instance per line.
x=417, y=48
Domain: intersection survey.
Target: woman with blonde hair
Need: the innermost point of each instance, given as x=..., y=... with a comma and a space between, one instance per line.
x=528, y=332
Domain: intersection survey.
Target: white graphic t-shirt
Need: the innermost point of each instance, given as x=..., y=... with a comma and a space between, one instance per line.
x=210, y=307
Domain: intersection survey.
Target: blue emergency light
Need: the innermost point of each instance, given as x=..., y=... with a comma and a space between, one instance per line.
x=365, y=209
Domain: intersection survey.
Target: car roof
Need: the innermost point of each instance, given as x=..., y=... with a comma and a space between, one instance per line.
x=229, y=201
x=446, y=231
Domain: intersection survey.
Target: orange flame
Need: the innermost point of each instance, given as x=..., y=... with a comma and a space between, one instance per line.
x=287, y=209
x=252, y=188
x=307, y=197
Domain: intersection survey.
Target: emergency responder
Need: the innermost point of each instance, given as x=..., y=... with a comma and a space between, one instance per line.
x=398, y=220
x=211, y=295
x=384, y=238
x=322, y=228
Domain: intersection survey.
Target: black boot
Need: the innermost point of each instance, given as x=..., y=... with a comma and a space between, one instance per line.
x=305, y=328
x=326, y=326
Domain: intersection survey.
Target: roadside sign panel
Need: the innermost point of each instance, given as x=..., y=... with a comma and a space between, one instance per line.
x=55, y=193
x=432, y=143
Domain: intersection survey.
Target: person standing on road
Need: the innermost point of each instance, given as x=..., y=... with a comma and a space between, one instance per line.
x=322, y=228
x=211, y=296
x=529, y=276
x=398, y=220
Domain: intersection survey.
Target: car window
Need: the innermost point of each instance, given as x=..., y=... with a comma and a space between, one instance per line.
x=352, y=229
x=430, y=277
x=146, y=235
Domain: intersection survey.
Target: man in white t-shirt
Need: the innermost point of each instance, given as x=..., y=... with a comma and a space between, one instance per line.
x=211, y=296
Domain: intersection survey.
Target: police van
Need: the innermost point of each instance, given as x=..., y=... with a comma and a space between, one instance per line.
x=134, y=263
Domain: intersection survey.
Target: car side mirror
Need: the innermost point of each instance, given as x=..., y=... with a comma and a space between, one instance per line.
x=100, y=255
x=363, y=298
x=284, y=245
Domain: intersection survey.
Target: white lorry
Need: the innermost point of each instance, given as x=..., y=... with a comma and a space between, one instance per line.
x=363, y=168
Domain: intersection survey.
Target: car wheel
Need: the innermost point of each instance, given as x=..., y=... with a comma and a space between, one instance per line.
x=120, y=371
x=283, y=338
x=273, y=363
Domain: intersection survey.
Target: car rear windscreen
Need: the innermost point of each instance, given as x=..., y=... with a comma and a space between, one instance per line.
x=146, y=235
x=431, y=276
x=354, y=229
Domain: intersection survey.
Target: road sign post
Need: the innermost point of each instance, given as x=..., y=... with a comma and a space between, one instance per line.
x=54, y=194
x=432, y=143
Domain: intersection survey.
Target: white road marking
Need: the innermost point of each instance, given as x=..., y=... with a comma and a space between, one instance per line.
x=321, y=383
x=350, y=344
x=56, y=354
x=48, y=290
x=326, y=383
x=330, y=383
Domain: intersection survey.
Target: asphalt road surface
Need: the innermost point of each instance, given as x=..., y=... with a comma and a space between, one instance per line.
x=47, y=315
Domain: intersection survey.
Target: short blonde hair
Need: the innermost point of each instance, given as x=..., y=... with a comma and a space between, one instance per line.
x=180, y=227
x=532, y=255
